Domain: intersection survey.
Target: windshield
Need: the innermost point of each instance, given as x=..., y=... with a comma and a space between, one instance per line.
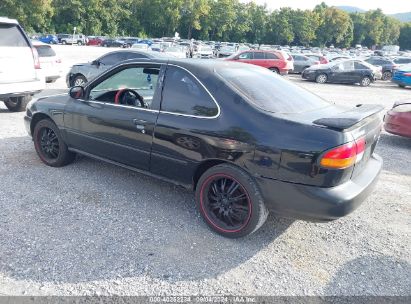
x=271, y=92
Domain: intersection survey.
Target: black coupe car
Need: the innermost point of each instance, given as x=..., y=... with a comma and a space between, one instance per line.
x=344, y=71
x=245, y=140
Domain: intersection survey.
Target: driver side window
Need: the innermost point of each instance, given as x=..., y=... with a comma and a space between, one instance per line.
x=140, y=80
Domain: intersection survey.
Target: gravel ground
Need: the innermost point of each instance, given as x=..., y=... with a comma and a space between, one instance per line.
x=95, y=229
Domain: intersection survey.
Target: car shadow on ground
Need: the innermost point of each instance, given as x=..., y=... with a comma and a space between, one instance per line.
x=94, y=221
x=395, y=151
x=375, y=275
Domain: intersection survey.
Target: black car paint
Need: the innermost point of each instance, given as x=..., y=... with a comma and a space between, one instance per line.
x=333, y=76
x=179, y=148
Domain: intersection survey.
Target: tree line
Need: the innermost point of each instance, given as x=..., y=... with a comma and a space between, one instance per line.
x=216, y=20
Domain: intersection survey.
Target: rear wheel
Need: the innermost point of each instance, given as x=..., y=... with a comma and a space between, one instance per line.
x=79, y=43
x=322, y=78
x=64, y=42
x=17, y=104
x=365, y=81
x=49, y=144
x=387, y=75
x=275, y=70
x=230, y=202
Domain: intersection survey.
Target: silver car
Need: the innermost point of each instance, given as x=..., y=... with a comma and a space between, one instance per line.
x=82, y=73
x=301, y=62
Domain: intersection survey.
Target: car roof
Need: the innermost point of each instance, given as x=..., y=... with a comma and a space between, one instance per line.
x=8, y=20
x=198, y=66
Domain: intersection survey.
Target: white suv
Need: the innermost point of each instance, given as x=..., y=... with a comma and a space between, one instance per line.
x=20, y=76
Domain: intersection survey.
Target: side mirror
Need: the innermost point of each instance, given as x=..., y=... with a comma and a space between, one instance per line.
x=95, y=62
x=77, y=92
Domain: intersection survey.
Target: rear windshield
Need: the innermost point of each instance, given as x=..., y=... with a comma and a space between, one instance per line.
x=10, y=35
x=45, y=51
x=271, y=92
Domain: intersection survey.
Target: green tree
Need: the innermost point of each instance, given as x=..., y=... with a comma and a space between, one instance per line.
x=191, y=14
x=305, y=24
x=280, y=28
x=405, y=36
x=335, y=27
x=33, y=15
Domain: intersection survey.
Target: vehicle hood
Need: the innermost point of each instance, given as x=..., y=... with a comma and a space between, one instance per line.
x=82, y=64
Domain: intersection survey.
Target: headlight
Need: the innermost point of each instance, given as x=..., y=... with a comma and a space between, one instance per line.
x=402, y=108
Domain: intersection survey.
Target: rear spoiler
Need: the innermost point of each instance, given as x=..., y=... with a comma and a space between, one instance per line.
x=346, y=120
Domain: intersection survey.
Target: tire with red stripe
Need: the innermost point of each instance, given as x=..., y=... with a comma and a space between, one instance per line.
x=49, y=144
x=230, y=201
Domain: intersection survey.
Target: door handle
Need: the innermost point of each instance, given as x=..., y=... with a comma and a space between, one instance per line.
x=140, y=124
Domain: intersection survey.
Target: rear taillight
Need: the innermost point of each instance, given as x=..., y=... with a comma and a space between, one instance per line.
x=344, y=156
x=35, y=58
x=407, y=74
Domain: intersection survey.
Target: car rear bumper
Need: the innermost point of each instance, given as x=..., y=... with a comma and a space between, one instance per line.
x=16, y=89
x=398, y=123
x=316, y=203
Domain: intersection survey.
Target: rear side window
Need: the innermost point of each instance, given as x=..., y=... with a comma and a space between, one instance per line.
x=45, y=51
x=258, y=55
x=112, y=59
x=10, y=35
x=270, y=56
x=359, y=66
x=183, y=94
x=270, y=92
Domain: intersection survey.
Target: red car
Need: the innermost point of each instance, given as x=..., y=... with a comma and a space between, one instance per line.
x=94, y=40
x=277, y=61
x=398, y=120
x=320, y=58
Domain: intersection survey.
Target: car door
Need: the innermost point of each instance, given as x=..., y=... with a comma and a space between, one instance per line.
x=361, y=70
x=186, y=108
x=259, y=59
x=298, y=64
x=116, y=131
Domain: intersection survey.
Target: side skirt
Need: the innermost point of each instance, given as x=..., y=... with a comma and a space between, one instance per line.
x=185, y=186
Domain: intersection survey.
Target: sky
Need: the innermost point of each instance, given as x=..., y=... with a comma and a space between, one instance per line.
x=388, y=6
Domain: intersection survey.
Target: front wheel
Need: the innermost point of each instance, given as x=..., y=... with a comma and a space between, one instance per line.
x=79, y=80
x=17, y=104
x=365, y=81
x=50, y=146
x=322, y=78
x=230, y=202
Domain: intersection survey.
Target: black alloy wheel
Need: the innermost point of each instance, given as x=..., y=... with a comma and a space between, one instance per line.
x=49, y=144
x=226, y=203
x=230, y=201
